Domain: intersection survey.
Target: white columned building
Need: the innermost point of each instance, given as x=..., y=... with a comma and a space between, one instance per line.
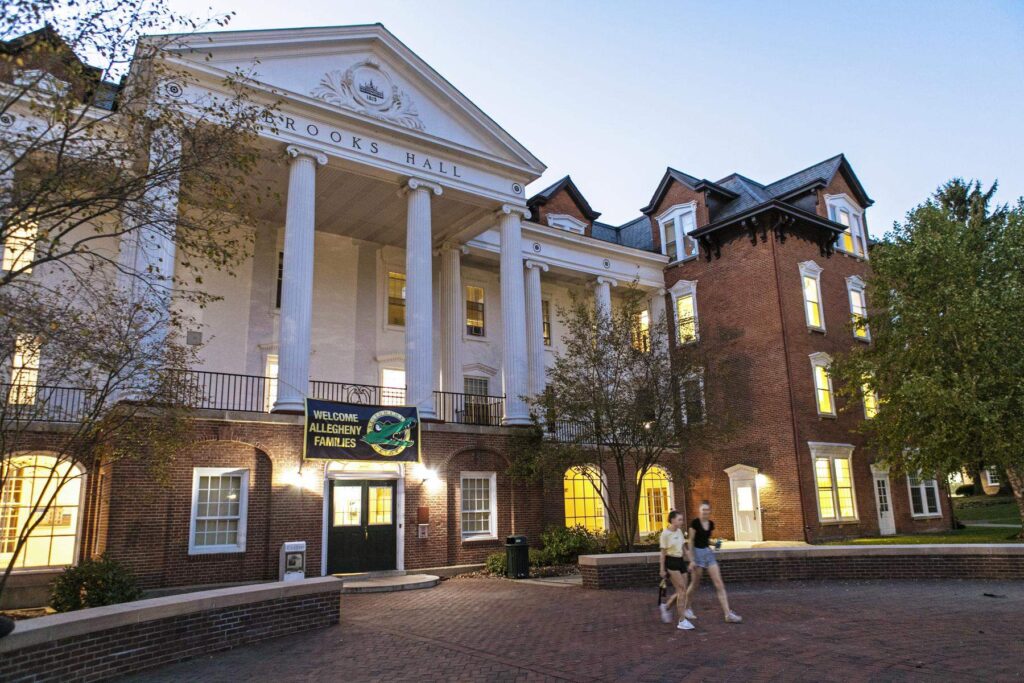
x=419, y=302
x=603, y=296
x=535, y=327
x=297, y=279
x=657, y=309
x=451, y=317
x=513, y=314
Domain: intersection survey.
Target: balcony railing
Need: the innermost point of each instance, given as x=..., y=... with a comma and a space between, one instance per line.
x=469, y=409
x=28, y=402
x=360, y=394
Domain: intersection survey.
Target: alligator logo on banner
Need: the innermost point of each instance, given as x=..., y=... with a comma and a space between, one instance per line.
x=346, y=431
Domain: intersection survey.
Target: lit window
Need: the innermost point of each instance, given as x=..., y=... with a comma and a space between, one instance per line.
x=479, y=503
x=20, y=247
x=381, y=510
x=583, y=503
x=641, y=331
x=42, y=491
x=924, y=496
x=396, y=299
x=220, y=499
x=858, y=308
x=270, y=382
x=823, y=384
x=692, y=399
x=870, y=402
x=24, y=371
x=842, y=210
x=392, y=391
x=676, y=224
x=810, y=278
x=833, y=476
x=684, y=293
x=655, y=500
x=347, y=505
x=474, y=311
x=992, y=476
x=545, y=311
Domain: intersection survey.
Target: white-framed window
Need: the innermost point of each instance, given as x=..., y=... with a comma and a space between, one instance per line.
x=684, y=303
x=545, y=312
x=833, y=477
x=691, y=398
x=24, y=371
x=924, y=496
x=655, y=500
x=858, y=308
x=476, y=386
x=479, y=505
x=992, y=476
x=582, y=494
x=269, y=382
x=392, y=386
x=641, y=331
x=44, y=493
x=20, y=247
x=824, y=398
x=475, y=311
x=220, y=502
x=675, y=226
x=870, y=401
x=567, y=222
x=842, y=210
x=395, y=301
x=810, y=283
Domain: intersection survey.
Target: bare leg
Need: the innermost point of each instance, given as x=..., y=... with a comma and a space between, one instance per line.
x=679, y=583
x=716, y=578
x=698, y=572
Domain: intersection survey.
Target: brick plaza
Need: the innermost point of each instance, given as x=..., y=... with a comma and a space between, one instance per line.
x=496, y=630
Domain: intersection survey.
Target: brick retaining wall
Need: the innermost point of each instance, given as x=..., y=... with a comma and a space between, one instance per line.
x=982, y=561
x=105, y=642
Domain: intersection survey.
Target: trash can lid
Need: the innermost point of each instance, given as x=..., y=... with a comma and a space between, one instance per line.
x=515, y=540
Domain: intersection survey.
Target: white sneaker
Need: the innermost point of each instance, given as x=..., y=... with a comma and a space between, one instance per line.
x=684, y=625
x=733, y=618
x=666, y=613
x=689, y=614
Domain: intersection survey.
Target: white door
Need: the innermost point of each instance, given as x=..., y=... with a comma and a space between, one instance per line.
x=883, y=501
x=746, y=505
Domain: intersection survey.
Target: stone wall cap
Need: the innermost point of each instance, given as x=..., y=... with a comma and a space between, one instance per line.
x=69, y=624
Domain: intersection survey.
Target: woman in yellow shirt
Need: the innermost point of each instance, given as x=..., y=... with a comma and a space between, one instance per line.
x=674, y=565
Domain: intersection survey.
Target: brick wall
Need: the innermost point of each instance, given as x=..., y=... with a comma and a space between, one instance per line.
x=561, y=203
x=677, y=194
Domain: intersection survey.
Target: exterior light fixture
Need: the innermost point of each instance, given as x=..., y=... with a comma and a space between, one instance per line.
x=761, y=480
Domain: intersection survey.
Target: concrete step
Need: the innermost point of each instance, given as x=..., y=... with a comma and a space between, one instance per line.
x=390, y=584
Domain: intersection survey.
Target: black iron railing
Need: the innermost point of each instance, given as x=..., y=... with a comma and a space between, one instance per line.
x=469, y=409
x=26, y=402
x=362, y=394
x=225, y=391
x=569, y=431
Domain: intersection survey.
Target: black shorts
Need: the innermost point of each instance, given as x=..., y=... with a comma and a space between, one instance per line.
x=677, y=564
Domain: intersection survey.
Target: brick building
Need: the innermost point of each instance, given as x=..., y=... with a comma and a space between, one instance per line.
x=408, y=266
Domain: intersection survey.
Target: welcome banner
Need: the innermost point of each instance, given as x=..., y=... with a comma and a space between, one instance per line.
x=346, y=431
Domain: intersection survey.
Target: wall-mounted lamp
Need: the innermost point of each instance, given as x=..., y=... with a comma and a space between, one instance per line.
x=761, y=479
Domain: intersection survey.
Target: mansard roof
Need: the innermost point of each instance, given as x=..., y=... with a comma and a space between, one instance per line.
x=569, y=186
x=689, y=181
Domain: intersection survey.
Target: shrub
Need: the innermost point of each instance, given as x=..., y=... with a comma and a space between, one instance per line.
x=539, y=557
x=496, y=564
x=965, y=490
x=94, y=583
x=563, y=545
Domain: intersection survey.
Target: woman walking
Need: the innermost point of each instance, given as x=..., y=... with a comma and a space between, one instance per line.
x=704, y=558
x=673, y=566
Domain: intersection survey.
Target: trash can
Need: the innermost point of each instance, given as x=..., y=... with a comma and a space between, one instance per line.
x=517, y=557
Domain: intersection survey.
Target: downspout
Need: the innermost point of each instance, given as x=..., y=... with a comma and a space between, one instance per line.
x=789, y=385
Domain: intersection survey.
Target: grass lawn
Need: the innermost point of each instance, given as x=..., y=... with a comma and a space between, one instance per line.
x=969, y=535
x=999, y=509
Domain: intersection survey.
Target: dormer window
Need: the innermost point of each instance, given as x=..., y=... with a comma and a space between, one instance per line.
x=675, y=226
x=842, y=210
x=567, y=222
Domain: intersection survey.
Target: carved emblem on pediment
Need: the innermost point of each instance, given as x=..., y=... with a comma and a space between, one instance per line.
x=367, y=89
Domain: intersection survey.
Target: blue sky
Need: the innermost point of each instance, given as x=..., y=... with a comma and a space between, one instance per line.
x=613, y=92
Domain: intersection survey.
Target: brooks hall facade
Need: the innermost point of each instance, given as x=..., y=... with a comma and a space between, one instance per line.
x=407, y=265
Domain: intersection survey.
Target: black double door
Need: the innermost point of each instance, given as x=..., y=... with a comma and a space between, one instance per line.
x=361, y=526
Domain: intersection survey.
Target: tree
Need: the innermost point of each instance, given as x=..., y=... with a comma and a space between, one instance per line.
x=98, y=260
x=947, y=329
x=613, y=402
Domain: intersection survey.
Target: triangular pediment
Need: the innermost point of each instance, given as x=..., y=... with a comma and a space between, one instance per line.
x=367, y=73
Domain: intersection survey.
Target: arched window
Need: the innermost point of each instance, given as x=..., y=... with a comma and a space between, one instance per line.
x=655, y=500
x=30, y=483
x=583, y=504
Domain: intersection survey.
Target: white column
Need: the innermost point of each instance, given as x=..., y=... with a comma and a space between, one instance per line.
x=297, y=281
x=657, y=312
x=535, y=327
x=452, y=317
x=603, y=296
x=419, y=298
x=513, y=315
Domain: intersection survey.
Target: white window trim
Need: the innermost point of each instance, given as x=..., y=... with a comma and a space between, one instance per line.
x=564, y=221
x=988, y=478
x=679, y=289
x=677, y=213
x=699, y=376
x=855, y=284
x=812, y=270
x=844, y=201
x=466, y=336
x=599, y=492
x=243, y=510
x=546, y=296
x=492, y=533
x=821, y=359
x=938, y=501
x=671, y=493
x=390, y=267
x=833, y=452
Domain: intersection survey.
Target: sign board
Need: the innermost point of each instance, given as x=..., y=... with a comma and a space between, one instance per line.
x=346, y=431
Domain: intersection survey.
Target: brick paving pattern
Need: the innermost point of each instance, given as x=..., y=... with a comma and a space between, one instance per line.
x=491, y=630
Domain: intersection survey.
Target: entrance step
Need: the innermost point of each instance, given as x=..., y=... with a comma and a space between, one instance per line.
x=390, y=584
